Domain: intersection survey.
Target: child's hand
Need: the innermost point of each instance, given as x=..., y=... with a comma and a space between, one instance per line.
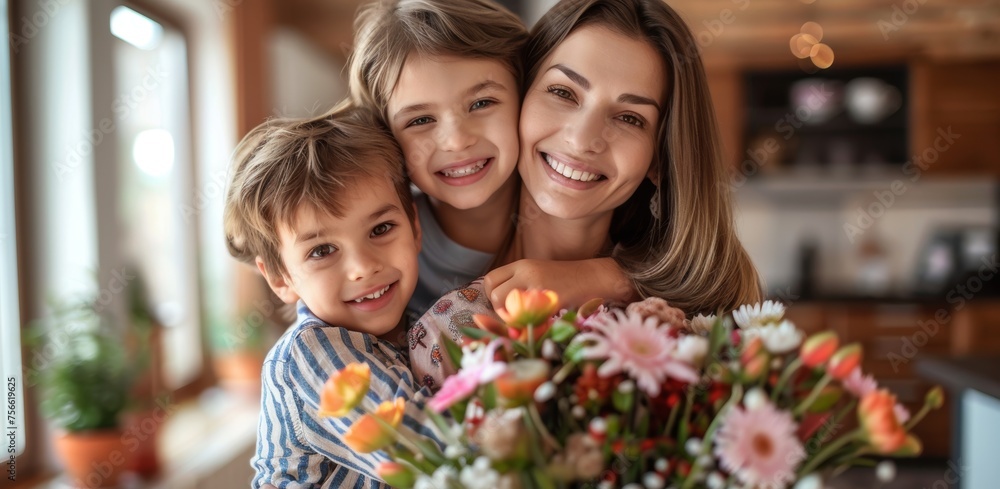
x=575, y=281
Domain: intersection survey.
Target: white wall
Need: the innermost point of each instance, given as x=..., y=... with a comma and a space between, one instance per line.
x=306, y=81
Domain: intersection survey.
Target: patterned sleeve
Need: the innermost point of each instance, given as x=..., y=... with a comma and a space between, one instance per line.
x=428, y=360
x=298, y=448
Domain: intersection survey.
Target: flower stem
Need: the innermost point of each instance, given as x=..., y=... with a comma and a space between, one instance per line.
x=817, y=390
x=830, y=450
x=917, y=417
x=706, y=442
x=790, y=369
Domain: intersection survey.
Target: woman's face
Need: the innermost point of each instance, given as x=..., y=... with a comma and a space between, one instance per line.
x=589, y=122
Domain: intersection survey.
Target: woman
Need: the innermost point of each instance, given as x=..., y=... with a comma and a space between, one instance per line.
x=619, y=158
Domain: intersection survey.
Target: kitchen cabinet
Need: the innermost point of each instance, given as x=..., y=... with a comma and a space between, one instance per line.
x=895, y=336
x=955, y=126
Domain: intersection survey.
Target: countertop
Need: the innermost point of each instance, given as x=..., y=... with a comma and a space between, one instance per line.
x=981, y=373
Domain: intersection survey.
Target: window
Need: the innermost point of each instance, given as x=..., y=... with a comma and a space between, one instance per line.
x=156, y=180
x=10, y=338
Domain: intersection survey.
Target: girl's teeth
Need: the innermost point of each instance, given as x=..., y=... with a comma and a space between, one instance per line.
x=374, y=295
x=580, y=176
x=462, y=172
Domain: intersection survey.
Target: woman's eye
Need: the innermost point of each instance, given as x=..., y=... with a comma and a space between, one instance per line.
x=383, y=228
x=633, y=120
x=321, y=251
x=561, y=92
x=482, y=104
x=419, y=121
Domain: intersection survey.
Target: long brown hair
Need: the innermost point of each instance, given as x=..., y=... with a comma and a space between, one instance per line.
x=690, y=256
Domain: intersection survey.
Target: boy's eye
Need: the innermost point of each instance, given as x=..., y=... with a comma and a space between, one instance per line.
x=482, y=104
x=419, y=121
x=321, y=251
x=382, y=228
x=633, y=120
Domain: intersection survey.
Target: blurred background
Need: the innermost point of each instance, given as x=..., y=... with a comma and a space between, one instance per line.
x=863, y=138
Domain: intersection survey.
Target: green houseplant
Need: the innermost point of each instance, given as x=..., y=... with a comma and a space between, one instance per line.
x=85, y=378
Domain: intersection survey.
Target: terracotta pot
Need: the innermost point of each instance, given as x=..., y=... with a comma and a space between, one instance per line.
x=239, y=371
x=141, y=435
x=93, y=459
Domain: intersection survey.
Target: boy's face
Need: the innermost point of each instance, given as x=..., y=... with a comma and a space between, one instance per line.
x=357, y=271
x=456, y=119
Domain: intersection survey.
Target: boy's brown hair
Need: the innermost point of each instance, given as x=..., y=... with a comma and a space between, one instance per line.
x=284, y=163
x=387, y=32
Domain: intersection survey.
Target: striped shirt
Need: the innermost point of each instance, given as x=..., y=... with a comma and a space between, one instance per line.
x=296, y=448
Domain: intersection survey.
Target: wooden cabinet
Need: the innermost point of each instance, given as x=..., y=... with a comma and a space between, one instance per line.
x=894, y=336
x=955, y=121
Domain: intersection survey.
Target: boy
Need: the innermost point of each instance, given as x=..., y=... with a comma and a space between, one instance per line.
x=323, y=209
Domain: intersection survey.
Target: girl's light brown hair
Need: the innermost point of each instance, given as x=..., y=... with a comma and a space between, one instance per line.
x=389, y=31
x=691, y=256
x=285, y=163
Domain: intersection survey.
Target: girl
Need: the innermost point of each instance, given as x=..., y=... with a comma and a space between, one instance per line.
x=619, y=157
x=446, y=77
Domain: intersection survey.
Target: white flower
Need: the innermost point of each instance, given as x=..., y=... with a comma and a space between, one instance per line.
x=480, y=362
x=778, y=338
x=885, y=471
x=444, y=476
x=480, y=475
x=545, y=392
x=692, y=349
x=702, y=324
x=811, y=481
x=652, y=480
x=755, y=398
x=454, y=451
x=759, y=314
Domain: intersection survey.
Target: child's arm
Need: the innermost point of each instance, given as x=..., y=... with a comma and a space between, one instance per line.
x=576, y=282
x=447, y=317
x=302, y=446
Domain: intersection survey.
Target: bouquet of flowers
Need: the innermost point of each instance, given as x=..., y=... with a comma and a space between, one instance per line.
x=639, y=397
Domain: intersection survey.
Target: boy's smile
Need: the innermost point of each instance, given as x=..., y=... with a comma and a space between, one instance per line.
x=355, y=271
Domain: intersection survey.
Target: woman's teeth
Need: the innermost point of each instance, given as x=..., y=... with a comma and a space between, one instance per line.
x=375, y=295
x=465, y=170
x=580, y=176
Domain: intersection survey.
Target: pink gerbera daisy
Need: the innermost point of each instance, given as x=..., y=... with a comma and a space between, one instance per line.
x=642, y=349
x=759, y=446
x=860, y=384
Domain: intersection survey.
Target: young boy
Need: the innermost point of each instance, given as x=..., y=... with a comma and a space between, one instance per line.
x=323, y=209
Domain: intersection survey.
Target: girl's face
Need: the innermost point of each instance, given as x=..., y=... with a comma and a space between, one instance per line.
x=589, y=122
x=456, y=120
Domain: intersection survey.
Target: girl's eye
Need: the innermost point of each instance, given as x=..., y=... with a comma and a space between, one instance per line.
x=383, y=228
x=482, y=104
x=561, y=92
x=419, y=121
x=321, y=251
x=633, y=120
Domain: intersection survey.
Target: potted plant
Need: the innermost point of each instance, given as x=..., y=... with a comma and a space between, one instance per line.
x=85, y=380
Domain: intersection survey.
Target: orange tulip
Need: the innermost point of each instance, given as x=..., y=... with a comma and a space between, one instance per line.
x=344, y=390
x=844, y=361
x=395, y=474
x=818, y=348
x=877, y=414
x=367, y=435
x=533, y=307
x=522, y=377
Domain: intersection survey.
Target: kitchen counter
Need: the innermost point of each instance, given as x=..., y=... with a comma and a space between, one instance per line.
x=973, y=383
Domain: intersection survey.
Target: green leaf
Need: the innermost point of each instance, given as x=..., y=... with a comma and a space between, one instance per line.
x=454, y=351
x=562, y=330
x=623, y=402
x=477, y=334
x=574, y=352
